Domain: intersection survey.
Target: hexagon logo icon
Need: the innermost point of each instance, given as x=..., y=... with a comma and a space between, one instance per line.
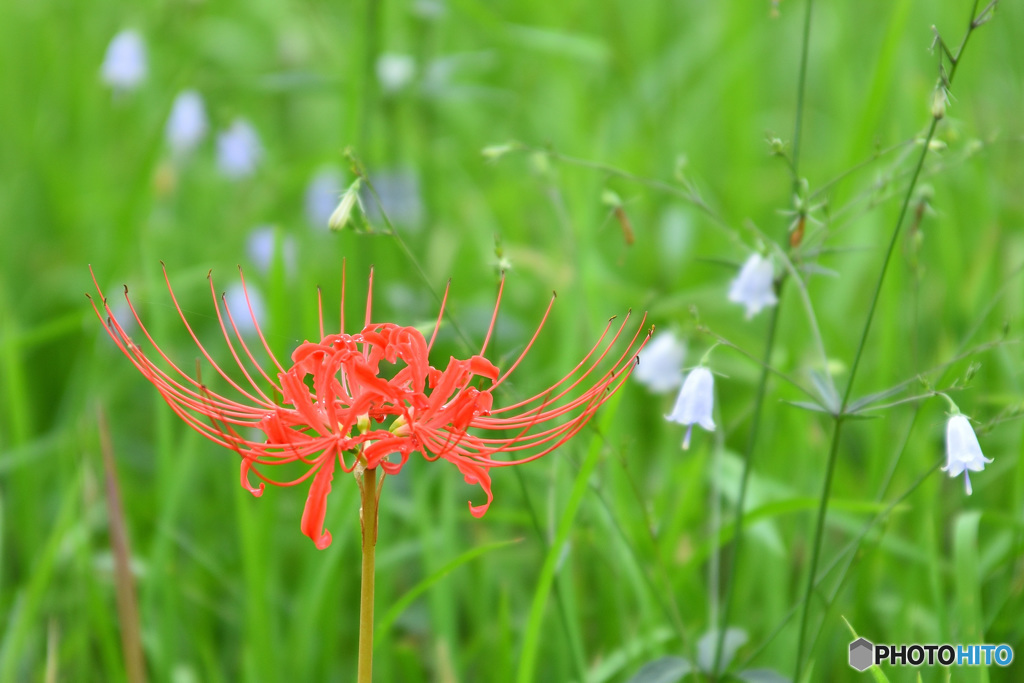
x=861, y=654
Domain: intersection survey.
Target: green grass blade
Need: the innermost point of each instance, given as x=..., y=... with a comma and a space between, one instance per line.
x=876, y=671
x=967, y=580
x=532, y=635
x=385, y=623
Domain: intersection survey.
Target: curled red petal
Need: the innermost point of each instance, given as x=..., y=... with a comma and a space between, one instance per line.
x=316, y=503
x=479, y=475
x=256, y=491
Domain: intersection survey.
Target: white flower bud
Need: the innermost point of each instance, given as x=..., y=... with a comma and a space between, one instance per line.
x=343, y=214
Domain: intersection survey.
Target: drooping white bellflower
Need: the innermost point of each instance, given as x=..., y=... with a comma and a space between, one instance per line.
x=660, y=366
x=322, y=196
x=187, y=124
x=754, y=287
x=124, y=65
x=239, y=150
x=695, y=403
x=963, y=452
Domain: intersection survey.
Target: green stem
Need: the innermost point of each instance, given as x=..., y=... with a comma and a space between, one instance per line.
x=800, y=90
x=819, y=526
x=368, y=518
x=748, y=458
x=769, y=346
x=369, y=93
x=833, y=452
x=819, y=529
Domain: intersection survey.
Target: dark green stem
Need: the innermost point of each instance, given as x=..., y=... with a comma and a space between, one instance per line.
x=748, y=458
x=794, y=164
x=833, y=452
x=369, y=94
x=800, y=90
x=819, y=528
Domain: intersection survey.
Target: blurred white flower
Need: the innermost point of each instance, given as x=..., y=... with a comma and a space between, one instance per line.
x=122, y=312
x=261, y=248
x=660, y=367
x=124, y=66
x=963, y=452
x=341, y=216
x=695, y=403
x=399, y=193
x=395, y=71
x=238, y=303
x=754, y=287
x=322, y=195
x=429, y=9
x=187, y=124
x=239, y=150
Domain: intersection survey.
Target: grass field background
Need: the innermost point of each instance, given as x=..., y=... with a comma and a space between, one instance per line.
x=608, y=553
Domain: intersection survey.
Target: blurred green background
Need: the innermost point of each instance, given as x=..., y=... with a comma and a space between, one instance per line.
x=228, y=589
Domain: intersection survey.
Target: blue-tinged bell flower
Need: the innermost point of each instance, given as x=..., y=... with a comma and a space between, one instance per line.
x=187, y=124
x=239, y=151
x=124, y=65
x=695, y=403
x=660, y=367
x=963, y=452
x=754, y=287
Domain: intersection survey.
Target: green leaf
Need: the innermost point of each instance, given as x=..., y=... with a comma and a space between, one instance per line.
x=384, y=623
x=762, y=676
x=734, y=639
x=807, y=405
x=876, y=671
x=532, y=634
x=967, y=578
x=664, y=670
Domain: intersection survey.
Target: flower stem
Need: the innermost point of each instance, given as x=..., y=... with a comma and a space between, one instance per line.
x=368, y=517
x=800, y=90
x=975, y=21
x=744, y=481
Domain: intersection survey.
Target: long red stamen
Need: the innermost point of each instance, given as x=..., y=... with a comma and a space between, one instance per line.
x=332, y=402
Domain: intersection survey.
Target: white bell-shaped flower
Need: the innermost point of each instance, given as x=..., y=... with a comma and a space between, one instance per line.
x=963, y=452
x=660, y=366
x=695, y=403
x=239, y=150
x=187, y=124
x=124, y=65
x=754, y=287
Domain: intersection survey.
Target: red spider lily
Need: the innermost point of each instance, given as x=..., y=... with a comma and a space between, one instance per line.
x=355, y=418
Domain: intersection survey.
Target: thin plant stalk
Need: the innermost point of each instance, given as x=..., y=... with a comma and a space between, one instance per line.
x=127, y=602
x=801, y=88
x=368, y=518
x=975, y=21
x=768, y=347
x=744, y=481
